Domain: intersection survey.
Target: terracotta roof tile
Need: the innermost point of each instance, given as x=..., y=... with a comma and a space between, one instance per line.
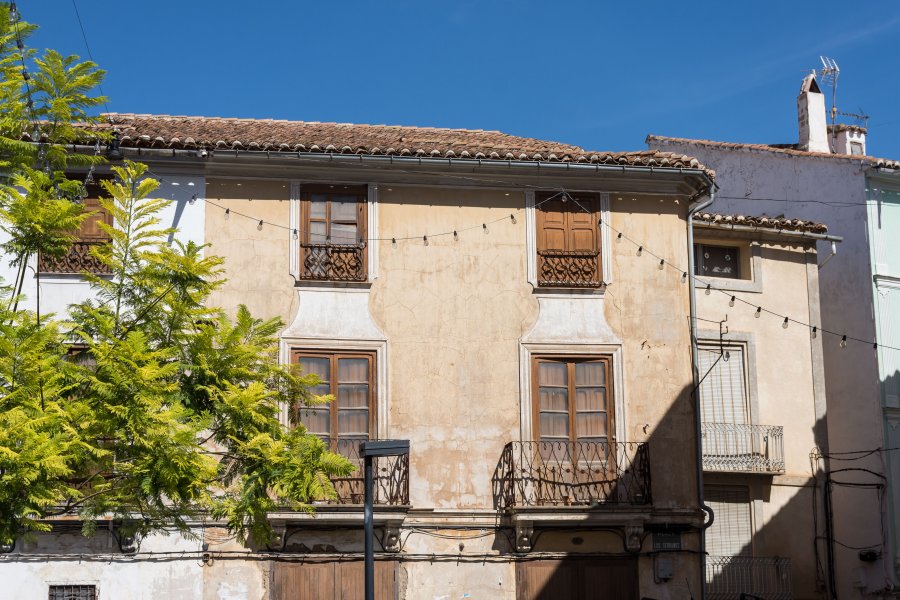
x=779, y=149
x=166, y=131
x=776, y=223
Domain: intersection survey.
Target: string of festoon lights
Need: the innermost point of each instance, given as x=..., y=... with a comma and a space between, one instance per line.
x=642, y=249
x=618, y=236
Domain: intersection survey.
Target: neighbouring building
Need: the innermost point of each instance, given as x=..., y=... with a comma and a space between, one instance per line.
x=828, y=177
x=460, y=289
x=762, y=396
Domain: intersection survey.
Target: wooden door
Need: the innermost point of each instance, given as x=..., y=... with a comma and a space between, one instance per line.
x=577, y=579
x=331, y=580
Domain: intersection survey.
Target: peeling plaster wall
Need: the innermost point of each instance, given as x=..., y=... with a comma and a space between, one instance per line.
x=257, y=263
x=454, y=314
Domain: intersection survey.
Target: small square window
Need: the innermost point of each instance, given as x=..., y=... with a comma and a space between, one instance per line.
x=856, y=149
x=717, y=261
x=73, y=592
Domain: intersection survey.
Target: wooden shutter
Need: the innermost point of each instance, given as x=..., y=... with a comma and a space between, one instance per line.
x=566, y=225
x=90, y=227
x=723, y=393
x=581, y=226
x=731, y=534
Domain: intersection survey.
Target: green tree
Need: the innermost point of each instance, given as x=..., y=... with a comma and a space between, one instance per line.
x=169, y=410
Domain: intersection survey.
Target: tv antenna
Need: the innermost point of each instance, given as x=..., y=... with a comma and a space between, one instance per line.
x=828, y=75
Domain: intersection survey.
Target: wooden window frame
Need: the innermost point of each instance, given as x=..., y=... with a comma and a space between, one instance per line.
x=80, y=257
x=333, y=357
x=591, y=201
x=305, y=220
x=570, y=361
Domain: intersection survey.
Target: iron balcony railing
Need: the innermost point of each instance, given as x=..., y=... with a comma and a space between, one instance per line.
x=737, y=577
x=333, y=262
x=573, y=474
x=743, y=448
x=79, y=259
x=569, y=268
x=390, y=473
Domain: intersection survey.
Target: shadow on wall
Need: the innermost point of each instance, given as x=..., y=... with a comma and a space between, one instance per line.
x=785, y=559
x=605, y=483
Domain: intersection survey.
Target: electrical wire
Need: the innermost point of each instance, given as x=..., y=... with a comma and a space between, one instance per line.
x=90, y=55
x=620, y=235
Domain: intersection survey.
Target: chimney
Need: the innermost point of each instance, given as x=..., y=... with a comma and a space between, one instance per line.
x=848, y=139
x=811, y=116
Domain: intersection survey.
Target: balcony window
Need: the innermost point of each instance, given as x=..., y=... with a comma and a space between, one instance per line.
x=79, y=258
x=333, y=233
x=572, y=400
x=731, y=441
x=732, y=568
x=350, y=419
x=568, y=241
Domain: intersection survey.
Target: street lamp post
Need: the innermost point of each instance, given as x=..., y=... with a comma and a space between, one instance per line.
x=368, y=451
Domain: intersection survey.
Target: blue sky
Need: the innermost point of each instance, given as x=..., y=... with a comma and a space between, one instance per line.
x=601, y=75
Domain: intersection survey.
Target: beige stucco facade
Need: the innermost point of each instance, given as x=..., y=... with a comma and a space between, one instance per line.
x=784, y=387
x=454, y=322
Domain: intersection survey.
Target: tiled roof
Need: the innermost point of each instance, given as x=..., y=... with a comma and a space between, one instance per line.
x=165, y=131
x=776, y=223
x=779, y=149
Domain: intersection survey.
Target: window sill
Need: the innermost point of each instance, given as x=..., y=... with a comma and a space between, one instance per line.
x=731, y=285
x=557, y=291
x=357, y=286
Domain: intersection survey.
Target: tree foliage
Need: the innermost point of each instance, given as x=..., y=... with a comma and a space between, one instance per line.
x=145, y=404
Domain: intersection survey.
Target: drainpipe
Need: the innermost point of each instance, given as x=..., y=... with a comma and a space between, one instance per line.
x=695, y=362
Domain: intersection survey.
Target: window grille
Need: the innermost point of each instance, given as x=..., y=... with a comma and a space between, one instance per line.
x=73, y=592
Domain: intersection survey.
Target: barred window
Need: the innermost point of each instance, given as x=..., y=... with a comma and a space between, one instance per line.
x=73, y=592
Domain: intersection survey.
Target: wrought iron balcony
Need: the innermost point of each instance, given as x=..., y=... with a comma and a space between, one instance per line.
x=333, y=262
x=78, y=259
x=733, y=577
x=390, y=473
x=743, y=448
x=573, y=474
x=569, y=268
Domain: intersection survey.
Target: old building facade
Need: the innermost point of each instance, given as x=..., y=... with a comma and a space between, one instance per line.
x=827, y=177
x=458, y=289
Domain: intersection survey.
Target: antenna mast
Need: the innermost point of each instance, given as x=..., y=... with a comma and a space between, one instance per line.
x=828, y=75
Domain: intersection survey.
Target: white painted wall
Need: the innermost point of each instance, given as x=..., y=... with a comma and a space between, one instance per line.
x=59, y=291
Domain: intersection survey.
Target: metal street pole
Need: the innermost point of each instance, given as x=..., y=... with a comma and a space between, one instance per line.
x=369, y=450
x=370, y=534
